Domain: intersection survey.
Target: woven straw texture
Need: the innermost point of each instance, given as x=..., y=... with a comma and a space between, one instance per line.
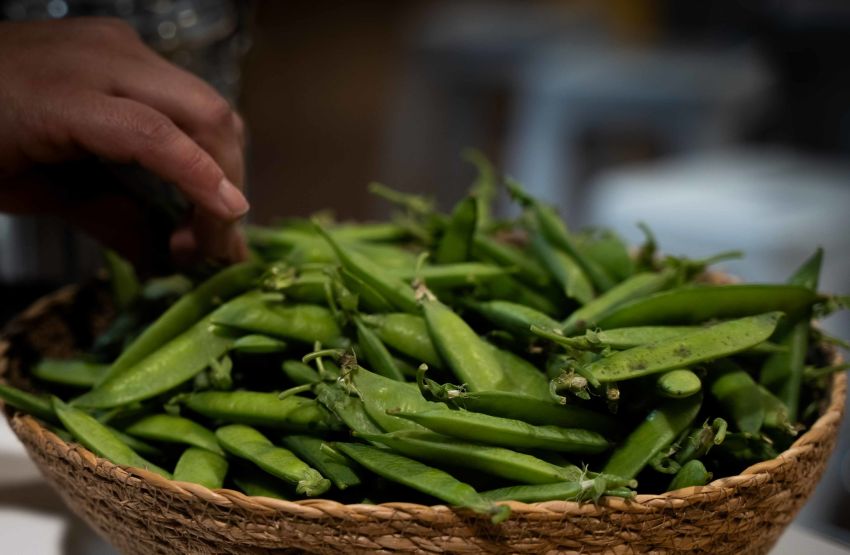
x=142, y=513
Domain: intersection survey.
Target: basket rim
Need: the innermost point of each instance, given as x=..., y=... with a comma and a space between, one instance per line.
x=23, y=424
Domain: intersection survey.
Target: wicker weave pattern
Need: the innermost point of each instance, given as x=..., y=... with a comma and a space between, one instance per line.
x=142, y=513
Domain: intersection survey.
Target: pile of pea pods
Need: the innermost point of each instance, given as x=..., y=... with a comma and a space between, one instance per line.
x=445, y=358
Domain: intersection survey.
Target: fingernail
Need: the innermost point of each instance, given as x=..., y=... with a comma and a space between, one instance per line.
x=232, y=198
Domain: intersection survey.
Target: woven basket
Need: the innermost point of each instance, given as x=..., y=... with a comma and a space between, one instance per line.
x=142, y=513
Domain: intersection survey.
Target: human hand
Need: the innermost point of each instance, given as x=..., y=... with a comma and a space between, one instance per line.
x=90, y=87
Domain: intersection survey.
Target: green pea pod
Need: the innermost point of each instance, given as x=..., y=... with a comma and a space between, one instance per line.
x=380, y=394
x=700, y=441
x=484, y=186
x=299, y=373
x=258, y=344
x=495, y=461
x=536, y=411
x=180, y=316
x=564, y=269
x=375, y=353
x=369, y=297
x=174, y=429
x=249, y=444
x=460, y=274
x=375, y=232
x=695, y=304
x=524, y=377
x=260, y=484
x=310, y=450
x=302, y=322
x=704, y=344
x=506, y=432
x=555, y=231
x=394, y=290
x=350, y=410
x=176, y=362
x=678, y=384
x=260, y=409
x=36, y=405
x=200, y=466
x=782, y=373
x=506, y=287
x=100, y=440
x=775, y=413
x=578, y=490
x=420, y=477
x=75, y=373
x=512, y=317
x=142, y=448
x=455, y=243
x=122, y=279
x=468, y=356
x=635, y=287
x=528, y=270
x=739, y=396
x=657, y=432
x=691, y=474
x=608, y=251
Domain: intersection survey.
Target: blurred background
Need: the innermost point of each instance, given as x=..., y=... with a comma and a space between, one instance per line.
x=723, y=125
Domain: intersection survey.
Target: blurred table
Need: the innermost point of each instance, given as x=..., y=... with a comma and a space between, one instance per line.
x=34, y=520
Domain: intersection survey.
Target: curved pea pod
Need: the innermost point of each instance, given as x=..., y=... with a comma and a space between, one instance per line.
x=507, y=432
x=100, y=440
x=258, y=344
x=375, y=353
x=693, y=473
x=407, y=334
x=564, y=269
x=513, y=317
x=260, y=409
x=75, y=373
x=496, y=461
x=577, y=490
x=739, y=396
x=180, y=316
x=176, y=362
x=677, y=384
x=380, y=394
x=394, y=290
x=536, y=411
x=36, y=405
x=635, y=287
x=657, y=432
x=695, y=304
x=249, y=444
x=420, y=477
x=528, y=270
x=776, y=413
x=455, y=243
x=200, y=466
x=302, y=322
x=299, y=373
x=712, y=342
x=350, y=410
x=468, y=356
x=310, y=450
x=174, y=429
